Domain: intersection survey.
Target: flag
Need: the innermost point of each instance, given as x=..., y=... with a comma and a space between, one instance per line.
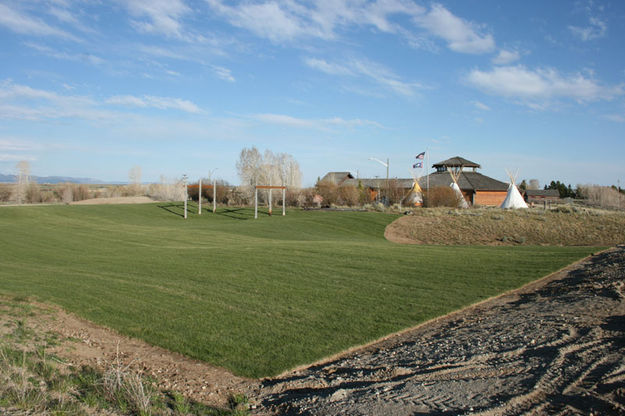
x=417, y=165
x=420, y=156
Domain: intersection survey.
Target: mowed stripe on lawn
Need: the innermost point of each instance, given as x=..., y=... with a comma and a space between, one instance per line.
x=255, y=296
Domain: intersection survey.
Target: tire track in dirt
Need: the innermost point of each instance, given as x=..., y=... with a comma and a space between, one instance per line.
x=555, y=347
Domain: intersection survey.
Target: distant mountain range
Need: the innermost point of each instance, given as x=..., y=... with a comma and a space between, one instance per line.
x=51, y=179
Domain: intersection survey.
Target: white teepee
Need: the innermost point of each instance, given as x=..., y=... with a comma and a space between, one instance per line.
x=462, y=203
x=415, y=196
x=513, y=200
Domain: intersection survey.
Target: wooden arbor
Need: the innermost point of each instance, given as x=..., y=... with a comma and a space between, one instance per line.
x=270, y=187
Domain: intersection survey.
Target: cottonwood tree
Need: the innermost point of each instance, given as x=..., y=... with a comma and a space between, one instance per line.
x=134, y=179
x=23, y=180
x=275, y=168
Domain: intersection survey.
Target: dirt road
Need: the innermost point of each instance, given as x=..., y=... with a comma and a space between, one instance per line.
x=554, y=347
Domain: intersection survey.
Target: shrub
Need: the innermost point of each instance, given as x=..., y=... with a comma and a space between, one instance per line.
x=5, y=192
x=328, y=191
x=441, y=196
x=348, y=195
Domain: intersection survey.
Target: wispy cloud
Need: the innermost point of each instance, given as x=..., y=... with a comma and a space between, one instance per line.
x=223, y=73
x=367, y=69
x=149, y=101
x=481, y=106
x=596, y=29
x=538, y=87
x=290, y=20
x=318, y=124
x=27, y=103
x=617, y=118
x=158, y=16
x=461, y=35
x=53, y=53
x=505, y=57
x=24, y=24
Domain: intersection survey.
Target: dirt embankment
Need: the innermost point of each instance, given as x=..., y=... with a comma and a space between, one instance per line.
x=513, y=227
x=555, y=347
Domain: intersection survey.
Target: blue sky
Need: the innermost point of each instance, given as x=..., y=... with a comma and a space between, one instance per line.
x=93, y=88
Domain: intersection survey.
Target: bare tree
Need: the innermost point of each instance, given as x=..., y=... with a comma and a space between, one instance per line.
x=250, y=166
x=23, y=180
x=134, y=180
x=277, y=169
x=534, y=184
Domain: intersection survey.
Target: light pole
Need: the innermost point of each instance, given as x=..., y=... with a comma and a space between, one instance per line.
x=386, y=165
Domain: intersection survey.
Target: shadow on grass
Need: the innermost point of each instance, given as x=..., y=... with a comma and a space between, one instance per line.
x=176, y=209
x=236, y=213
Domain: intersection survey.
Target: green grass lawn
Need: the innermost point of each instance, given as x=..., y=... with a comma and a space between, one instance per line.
x=255, y=296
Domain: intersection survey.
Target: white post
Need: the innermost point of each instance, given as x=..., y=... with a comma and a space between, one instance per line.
x=186, y=196
x=199, y=198
x=214, y=195
x=269, y=197
x=255, y=202
x=283, y=202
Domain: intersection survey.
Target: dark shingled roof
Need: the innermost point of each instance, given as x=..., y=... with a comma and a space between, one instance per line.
x=378, y=182
x=457, y=161
x=542, y=192
x=467, y=181
x=337, y=177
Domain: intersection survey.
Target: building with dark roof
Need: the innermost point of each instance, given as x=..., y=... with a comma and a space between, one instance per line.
x=476, y=188
x=540, y=195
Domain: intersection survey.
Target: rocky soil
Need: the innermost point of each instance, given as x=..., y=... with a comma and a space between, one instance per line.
x=556, y=346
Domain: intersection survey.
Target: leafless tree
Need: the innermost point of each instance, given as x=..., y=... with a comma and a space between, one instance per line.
x=534, y=184
x=134, y=181
x=23, y=179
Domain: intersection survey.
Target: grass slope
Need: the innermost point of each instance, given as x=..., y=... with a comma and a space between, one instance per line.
x=257, y=297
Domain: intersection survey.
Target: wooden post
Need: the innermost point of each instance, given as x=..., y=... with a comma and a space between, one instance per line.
x=199, y=198
x=214, y=195
x=283, y=202
x=255, y=203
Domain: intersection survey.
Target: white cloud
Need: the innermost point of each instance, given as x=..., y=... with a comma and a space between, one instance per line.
x=319, y=124
x=160, y=16
x=505, y=57
x=27, y=103
x=538, y=87
x=367, y=69
x=480, y=105
x=327, y=67
x=617, y=118
x=27, y=25
x=83, y=57
x=223, y=73
x=149, y=101
x=461, y=35
x=595, y=30
x=9, y=157
x=289, y=20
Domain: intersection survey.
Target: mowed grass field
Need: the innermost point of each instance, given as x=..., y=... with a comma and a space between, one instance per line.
x=255, y=296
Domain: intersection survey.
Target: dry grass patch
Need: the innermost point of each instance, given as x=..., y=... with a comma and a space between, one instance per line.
x=564, y=226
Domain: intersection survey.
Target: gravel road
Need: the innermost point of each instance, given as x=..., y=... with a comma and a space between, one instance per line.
x=554, y=347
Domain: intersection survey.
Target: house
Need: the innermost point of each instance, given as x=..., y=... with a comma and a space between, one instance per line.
x=476, y=188
x=541, y=195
